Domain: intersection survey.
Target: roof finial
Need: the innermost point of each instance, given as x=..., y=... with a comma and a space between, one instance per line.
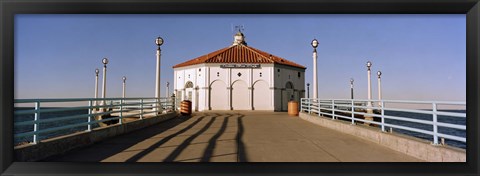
x=239, y=38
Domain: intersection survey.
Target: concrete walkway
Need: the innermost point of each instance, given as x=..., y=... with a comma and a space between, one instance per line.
x=236, y=136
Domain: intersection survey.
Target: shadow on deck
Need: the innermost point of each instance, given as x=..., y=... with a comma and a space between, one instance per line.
x=166, y=141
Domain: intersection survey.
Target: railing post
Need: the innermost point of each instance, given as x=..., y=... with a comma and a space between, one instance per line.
x=141, y=108
x=121, y=112
x=318, y=105
x=435, y=130
x=309, y=106
x=89, y=126
x=301, y=104
x=157, y=105
x=35, y=125
x=353, y=113
x=333, y=109
x=382, y=104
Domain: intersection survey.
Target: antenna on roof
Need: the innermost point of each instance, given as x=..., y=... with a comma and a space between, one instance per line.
x=240, y=28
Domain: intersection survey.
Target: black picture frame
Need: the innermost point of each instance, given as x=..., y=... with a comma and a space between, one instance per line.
x=8, y=9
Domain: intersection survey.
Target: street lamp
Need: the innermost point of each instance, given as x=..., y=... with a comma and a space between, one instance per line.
x=369, y=104
x=308, y=90
x=379, y=73
x=351, y=88
x=159, y=42
x=96, y=86
x=315, y=79
x=168, y=89
x=104, y=88
x=124, y=79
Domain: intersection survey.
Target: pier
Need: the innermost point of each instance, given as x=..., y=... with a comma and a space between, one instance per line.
x=238, y=136
x=148, y=130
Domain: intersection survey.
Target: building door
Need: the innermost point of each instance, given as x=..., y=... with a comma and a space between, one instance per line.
x=189, y=92
x=240, y=96
x=218, y=96
x=261, y=96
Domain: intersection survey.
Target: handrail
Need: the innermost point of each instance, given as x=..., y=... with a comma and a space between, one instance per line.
x=348, y=109
x=87, y=109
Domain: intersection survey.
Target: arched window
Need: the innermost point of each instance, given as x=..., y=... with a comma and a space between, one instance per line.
x=289, y=85
x=189, y=84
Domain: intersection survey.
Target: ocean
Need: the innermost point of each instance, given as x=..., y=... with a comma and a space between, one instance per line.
x=454, y=120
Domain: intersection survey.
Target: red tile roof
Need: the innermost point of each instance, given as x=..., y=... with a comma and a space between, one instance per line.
x=239, y=54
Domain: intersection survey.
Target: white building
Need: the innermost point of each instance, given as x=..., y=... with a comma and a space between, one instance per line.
x=239, y=77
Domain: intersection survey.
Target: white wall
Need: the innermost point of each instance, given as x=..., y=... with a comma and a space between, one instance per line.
x=259, y=92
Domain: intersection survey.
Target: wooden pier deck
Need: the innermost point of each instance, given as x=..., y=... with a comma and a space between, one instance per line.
x=235, y=136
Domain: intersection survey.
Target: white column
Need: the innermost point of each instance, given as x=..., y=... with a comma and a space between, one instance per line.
x=369, y=88
x=229, y=87
x=379, y=88
x=96, y=86
x=369, y=104
x=315, y=78
x=251, y=88
x=104, y=87
x=159, y=42
x=123, y=86
x=157, y=79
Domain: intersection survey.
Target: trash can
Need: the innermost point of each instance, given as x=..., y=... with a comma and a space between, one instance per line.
x=186, y=107
x=293, y=108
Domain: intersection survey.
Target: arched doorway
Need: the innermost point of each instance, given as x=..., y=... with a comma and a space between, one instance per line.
x=261, y=96
x=287, y=95
x=240, y=98
x=218, y=96
x=189, y=92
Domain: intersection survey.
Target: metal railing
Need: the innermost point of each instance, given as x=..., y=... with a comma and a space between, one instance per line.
x=38, y=119
x=423, y=117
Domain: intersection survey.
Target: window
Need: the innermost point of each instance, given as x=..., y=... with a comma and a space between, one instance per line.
x=218, y=74
x=260, y=74
x=299, y=74
x=189, y=85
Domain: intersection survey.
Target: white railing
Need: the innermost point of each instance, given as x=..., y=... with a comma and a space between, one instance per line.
x=428, y=118
x=37, y=117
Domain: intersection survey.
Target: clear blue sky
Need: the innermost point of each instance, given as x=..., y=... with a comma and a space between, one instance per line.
x=422, y=57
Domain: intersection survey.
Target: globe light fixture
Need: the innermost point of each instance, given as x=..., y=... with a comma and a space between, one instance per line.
x=314, y=43
x=105, y=61
x=159, y=41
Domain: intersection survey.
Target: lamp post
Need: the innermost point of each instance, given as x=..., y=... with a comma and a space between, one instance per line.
x=315, y=79
x=159, y=42
x=369, y=103
x=351, y=88
x=168, y=89
x=96, y=86
x=104, y=87
x=379, y=73
x=124, y=79
x=308, y=90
